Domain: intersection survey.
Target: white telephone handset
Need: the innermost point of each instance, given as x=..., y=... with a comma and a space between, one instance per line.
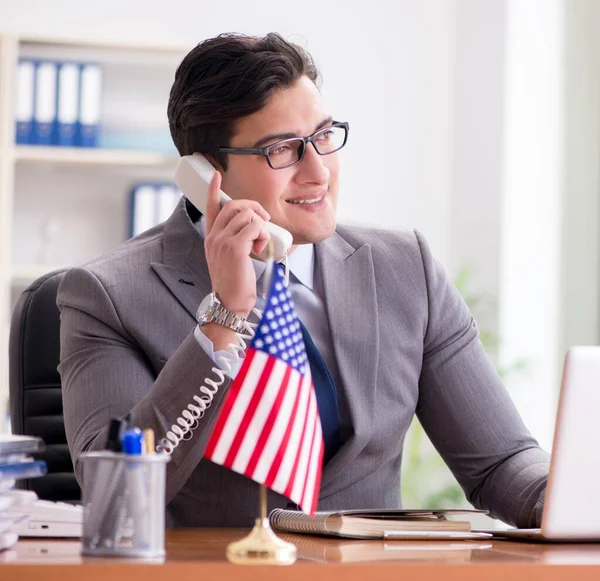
x=193, y=175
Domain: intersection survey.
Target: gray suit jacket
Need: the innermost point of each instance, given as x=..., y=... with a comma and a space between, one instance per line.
x=403, y=338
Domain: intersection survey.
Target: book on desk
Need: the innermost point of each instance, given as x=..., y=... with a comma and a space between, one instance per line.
x=379, y=524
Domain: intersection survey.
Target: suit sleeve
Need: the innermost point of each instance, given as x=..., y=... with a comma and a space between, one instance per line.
x=105, y=374
x=468, y=414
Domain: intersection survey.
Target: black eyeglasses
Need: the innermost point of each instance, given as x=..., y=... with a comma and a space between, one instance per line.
x=289, y=152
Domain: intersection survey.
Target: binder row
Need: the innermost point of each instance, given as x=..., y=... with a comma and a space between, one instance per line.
x=151, y=204
x=58, y=103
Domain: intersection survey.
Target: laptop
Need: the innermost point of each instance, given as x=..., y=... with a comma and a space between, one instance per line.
x=572, y=504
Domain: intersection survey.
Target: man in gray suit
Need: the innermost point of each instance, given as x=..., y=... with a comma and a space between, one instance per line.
x=394, y=334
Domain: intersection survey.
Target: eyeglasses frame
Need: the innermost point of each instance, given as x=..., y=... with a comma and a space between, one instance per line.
x=305, y=141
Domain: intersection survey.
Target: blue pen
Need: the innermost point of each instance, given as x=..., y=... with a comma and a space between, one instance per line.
x=132, y=442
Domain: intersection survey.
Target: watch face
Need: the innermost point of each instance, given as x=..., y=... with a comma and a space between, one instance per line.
x=205, y=308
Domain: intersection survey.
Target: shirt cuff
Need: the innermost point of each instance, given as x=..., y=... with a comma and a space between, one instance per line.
x=224, y=359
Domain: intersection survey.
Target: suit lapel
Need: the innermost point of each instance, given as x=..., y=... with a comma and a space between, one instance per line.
x=186, y=286
x=183, y=269
x=351, y=303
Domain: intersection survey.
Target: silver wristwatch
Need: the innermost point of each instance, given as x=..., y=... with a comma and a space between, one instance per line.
x=212, y=311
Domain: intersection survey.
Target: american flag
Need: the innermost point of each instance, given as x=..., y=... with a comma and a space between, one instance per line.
x=268, y=428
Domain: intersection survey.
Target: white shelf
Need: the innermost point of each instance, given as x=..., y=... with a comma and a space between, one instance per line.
x=117, y=53
x=92, y=156
x=79, y=42
x=25, y=274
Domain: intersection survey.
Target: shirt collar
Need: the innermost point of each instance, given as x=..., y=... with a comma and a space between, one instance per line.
x=301, y=262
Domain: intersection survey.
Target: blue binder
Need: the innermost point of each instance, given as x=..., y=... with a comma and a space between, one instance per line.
x=90, y=105
x=44, y=116
x=143, y=208
x=25, y=101
x=150, y=204
x=168, y=197
x=23, y=469
x=67, y=104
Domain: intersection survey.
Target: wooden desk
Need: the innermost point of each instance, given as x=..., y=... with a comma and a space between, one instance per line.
x=199, y=555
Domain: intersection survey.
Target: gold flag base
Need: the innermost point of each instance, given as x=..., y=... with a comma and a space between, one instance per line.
x=261, y=546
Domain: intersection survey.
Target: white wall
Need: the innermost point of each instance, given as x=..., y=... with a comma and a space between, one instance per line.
x=477, y=150
x=532, y=206
x=387, y=69
x=581, y=219
x=525, y=201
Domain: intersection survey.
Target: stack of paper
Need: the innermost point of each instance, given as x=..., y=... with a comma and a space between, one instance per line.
x=16, y=463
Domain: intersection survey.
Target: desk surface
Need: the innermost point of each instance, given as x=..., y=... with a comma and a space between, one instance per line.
x=200, y=555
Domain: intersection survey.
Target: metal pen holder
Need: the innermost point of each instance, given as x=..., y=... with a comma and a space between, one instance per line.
x=124, y=504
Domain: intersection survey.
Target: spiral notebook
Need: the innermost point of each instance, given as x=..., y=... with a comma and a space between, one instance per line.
x=379, y=524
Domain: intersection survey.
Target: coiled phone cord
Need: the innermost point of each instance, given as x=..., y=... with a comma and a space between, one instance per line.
x=187, y=422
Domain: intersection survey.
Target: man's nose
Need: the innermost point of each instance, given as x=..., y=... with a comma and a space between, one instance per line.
x=312, y=167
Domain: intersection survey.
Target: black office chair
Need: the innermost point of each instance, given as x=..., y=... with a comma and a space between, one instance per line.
x=34, y=386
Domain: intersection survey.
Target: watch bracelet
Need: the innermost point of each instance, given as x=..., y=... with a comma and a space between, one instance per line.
x=228, y=319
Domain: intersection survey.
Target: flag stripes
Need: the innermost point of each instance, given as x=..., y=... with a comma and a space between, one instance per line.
x=269, y=429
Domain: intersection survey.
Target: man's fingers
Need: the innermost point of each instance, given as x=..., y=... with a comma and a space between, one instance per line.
x=240, y=221
x=251, y=234
x=231, y=209
x=213, y=202
x=261, y=242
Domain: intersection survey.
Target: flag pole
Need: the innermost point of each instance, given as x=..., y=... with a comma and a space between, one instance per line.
x=262, y=546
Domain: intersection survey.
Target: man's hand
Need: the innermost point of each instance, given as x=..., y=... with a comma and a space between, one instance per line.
x=233, y=232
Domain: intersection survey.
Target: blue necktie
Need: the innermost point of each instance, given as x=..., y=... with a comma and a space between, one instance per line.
x=326, y=396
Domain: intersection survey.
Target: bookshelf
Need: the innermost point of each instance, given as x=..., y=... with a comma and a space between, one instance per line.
x=61, y=206
x=92, y=156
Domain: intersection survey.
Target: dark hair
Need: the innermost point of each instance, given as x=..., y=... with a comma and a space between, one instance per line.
x=226, y=78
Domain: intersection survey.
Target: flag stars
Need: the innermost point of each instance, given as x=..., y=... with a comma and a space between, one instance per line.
x=278, y=334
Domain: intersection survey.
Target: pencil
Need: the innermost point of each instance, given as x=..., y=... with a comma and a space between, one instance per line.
x=148, y=441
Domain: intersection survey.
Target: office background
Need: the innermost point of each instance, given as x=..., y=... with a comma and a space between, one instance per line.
x=476, y=122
